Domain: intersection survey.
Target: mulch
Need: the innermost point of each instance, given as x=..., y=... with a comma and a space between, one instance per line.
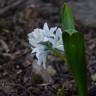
x=16, y=75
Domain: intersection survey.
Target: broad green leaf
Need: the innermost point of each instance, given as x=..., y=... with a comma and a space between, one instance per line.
x=75, y=55
x=67, y=18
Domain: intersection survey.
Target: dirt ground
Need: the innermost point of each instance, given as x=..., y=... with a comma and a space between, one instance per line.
x=17, y=76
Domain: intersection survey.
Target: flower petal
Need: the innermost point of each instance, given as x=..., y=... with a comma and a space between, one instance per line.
x=46, y=30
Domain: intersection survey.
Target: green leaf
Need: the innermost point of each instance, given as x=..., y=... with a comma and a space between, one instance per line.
x=67, y=18
x=75, y=55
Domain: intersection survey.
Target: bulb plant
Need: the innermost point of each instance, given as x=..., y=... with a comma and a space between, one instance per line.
x=70, y=42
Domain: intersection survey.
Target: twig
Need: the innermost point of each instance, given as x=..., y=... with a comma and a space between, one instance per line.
x=44, y=84
x=4, y=45
x=7, y=8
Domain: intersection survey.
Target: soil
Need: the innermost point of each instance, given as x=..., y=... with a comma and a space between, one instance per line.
x=17, y=77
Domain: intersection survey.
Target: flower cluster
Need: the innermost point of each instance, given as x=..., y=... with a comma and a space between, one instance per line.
x=38, y=39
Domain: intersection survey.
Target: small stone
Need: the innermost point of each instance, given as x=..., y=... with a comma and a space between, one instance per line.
x=51, y=70
x=93, y=77
x=37, y=69
x=92, y=46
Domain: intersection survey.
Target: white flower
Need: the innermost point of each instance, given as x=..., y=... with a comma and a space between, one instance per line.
x=57, y=41
x=45, y=35
x=41, y=54
x=48, y=32
x=36, y=37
